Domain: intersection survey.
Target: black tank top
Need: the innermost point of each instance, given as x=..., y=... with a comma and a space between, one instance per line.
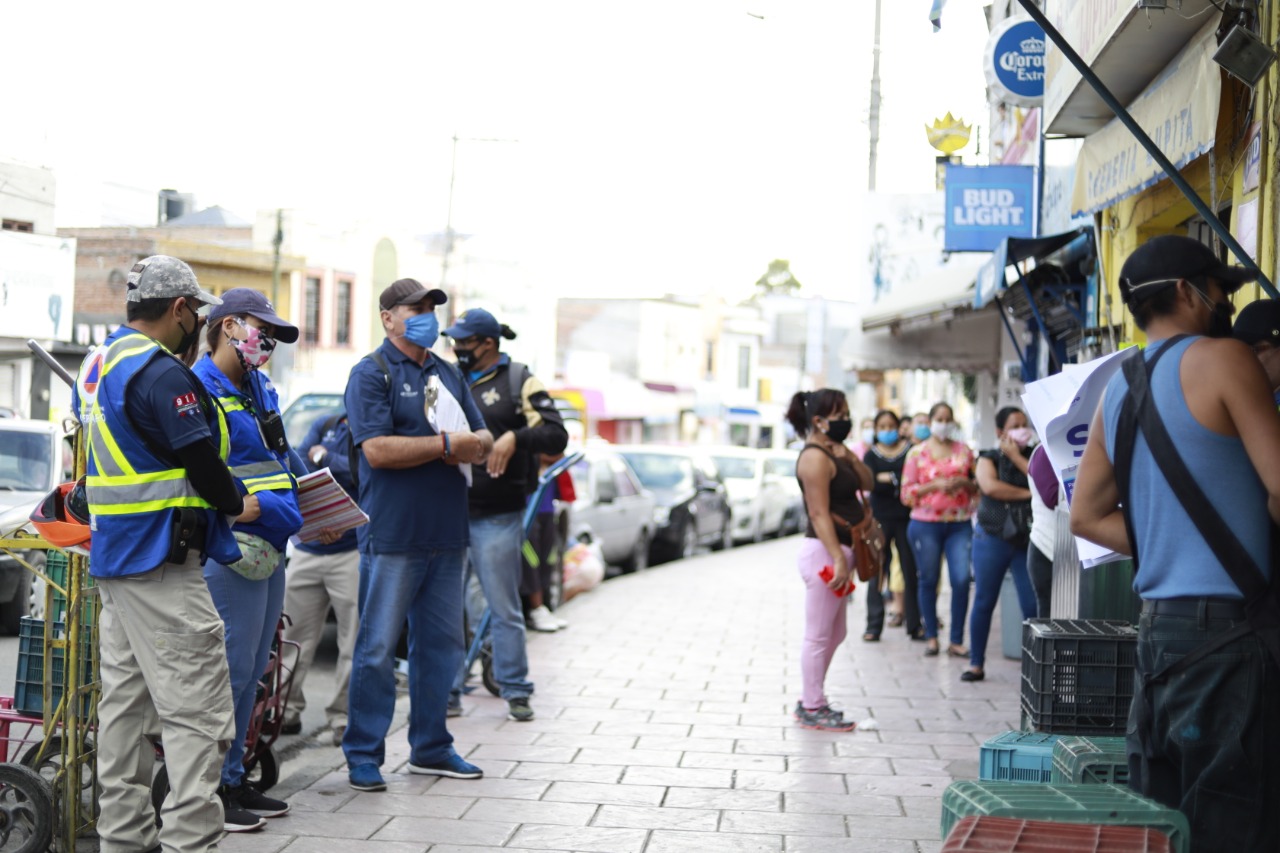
x=842, y=496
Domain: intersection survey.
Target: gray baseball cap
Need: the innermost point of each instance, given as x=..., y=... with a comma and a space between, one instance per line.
x=164, y=277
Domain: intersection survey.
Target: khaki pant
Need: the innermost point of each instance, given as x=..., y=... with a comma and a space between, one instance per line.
x=164, y=672
x=313, y=583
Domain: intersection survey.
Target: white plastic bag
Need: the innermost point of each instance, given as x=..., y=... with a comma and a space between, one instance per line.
x=583, y=568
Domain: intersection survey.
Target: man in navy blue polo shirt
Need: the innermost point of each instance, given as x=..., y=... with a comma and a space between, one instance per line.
x=402, y=406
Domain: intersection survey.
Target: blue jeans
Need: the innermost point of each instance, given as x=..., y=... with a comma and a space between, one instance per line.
x=991, y=557
x=250, y=612
x=494, y=556
x=424, y=587
x=929, y=540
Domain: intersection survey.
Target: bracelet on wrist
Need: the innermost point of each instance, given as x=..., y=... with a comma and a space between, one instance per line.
x=448, y=450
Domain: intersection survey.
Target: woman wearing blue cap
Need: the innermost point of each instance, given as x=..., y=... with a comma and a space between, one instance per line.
x=249, y=593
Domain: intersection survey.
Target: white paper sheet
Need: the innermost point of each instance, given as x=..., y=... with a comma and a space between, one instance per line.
x=1061, y=407
x=445, y=414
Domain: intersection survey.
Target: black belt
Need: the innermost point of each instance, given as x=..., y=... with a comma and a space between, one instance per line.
x=1212, y=608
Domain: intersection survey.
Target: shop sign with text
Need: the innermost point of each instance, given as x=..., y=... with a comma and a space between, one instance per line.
x=986, y=204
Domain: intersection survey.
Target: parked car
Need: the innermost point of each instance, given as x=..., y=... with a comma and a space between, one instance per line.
x=612, y=509
x=300, y=414
x=758, y=501
x=691, y=504
x=34, y=458
x=781, y=465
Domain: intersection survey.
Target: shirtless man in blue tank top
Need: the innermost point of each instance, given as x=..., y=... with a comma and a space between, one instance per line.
x=1207, y=741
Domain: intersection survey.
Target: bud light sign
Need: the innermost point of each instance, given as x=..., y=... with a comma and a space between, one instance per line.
x=986, y=204
x=1014, y=61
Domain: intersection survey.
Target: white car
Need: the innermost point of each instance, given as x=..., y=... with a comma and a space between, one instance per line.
x=781, y=465
x=612, y=508
x=757, y=499
x=34, y=458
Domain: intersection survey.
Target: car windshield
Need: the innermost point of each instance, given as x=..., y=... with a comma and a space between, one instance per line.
x=26, y=461
x=308, y=409
x=736, y=467
x=662, y=471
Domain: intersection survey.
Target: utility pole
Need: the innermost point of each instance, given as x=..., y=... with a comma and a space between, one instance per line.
x=874, y=115
x=448, y=222
x=276, y=241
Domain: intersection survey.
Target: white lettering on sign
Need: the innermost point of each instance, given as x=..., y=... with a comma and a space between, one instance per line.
x=988, y=207
x=1026, y=68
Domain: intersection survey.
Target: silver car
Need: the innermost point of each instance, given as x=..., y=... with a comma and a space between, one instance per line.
x=758, y=499
x=612, y=509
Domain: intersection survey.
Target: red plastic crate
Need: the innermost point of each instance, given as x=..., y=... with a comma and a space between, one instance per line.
x=976, y=834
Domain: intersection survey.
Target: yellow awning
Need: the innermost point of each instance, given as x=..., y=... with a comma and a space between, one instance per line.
x=1179, y=110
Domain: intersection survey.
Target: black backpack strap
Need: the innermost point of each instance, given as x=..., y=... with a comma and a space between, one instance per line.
x=353, y=452
x=517, y=375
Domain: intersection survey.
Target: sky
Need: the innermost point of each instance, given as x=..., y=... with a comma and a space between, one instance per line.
x=643, y=148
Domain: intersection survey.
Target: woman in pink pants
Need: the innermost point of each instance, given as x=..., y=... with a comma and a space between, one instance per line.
x=830, y=477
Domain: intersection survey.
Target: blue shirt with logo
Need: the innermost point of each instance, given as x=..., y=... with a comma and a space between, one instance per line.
x=410, y=509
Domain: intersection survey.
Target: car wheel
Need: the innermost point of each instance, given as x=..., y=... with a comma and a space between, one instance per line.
x=639, y=559
x=688, y=540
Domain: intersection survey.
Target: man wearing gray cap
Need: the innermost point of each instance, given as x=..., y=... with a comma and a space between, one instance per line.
x=160, y=495
x=415, y=425
x=1180, y=471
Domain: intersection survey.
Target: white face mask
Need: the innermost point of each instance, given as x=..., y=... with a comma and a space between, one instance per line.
x=941, y=430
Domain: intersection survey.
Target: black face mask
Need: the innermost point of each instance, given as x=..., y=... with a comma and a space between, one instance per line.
x=1219, y=318
x=188, y=338
x=838, y=430
x=466, y=358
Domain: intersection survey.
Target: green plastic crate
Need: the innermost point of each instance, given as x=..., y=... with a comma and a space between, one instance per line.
x=1099, y=805
x=1091, y=760
x=1017, y=757
x=56, y=565
x=28, y=689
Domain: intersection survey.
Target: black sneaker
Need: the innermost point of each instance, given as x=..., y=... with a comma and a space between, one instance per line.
x=251, y=799
x=518, y=709
x=235, y=818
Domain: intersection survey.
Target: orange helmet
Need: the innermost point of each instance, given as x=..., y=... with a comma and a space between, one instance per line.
x=62, y=518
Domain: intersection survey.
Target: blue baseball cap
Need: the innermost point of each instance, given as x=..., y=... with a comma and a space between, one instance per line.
x=473, y=322
x=246, y=300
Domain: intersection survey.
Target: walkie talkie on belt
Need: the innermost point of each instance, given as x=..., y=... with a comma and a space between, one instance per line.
x=188, y=531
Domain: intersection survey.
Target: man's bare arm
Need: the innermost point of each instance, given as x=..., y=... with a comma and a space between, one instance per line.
x=1095, y=502
x=402, y=451
x=1249, y=402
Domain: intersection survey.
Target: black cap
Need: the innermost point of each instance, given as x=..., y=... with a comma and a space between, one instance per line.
x=409, y=291
x=1258, y=322
x=246, y=300
x=1162, y=261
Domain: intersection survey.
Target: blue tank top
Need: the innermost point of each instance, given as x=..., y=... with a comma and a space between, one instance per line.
x=1175, y=560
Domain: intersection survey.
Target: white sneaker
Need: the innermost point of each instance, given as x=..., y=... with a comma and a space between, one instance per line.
x=540, y=619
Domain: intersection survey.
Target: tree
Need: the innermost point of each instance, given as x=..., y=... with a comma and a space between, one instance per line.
x=777, y=280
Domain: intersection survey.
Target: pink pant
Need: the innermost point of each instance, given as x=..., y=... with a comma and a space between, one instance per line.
x=824, y=621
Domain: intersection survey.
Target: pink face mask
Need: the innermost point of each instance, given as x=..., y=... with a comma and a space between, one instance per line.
x=1021, y=435
x=255, y=350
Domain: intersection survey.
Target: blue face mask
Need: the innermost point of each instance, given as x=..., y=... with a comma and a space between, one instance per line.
x=422, y=329
x=887, y=436
x=922, y=432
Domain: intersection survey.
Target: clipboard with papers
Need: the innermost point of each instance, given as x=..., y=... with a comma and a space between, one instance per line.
x=324, y=504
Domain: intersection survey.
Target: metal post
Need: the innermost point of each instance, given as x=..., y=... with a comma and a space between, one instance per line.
x=1013, y=338
x=1170, y=170
x=448, y=222
x=1035, y=312
x=873, y=116
x=276, y=242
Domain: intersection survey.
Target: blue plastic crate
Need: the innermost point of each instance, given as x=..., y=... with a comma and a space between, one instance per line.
x=1017, y=757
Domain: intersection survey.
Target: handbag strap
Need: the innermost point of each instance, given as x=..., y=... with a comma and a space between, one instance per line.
x=1222, y=541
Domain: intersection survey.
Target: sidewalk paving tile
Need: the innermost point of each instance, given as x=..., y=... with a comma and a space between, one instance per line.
x=642, y=817
x=588, y=839
x=432, y=830
x=611, y=794
x=532, y=811
x=664, y=726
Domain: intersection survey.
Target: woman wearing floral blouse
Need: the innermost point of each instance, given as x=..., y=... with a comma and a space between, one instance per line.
x=938, y=485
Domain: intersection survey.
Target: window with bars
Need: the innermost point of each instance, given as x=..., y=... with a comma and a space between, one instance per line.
x=17, y=225
x=342, y=318
x=311, y=305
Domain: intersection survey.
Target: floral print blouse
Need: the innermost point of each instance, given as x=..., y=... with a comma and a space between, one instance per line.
x=921, y=468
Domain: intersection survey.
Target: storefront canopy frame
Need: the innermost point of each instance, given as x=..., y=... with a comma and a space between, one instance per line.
x=1224, y=234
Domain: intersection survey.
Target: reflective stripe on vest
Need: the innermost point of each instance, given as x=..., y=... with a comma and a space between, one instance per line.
x=116, y=487
x=263, y=476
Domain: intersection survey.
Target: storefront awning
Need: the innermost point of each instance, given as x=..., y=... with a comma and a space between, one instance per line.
x=1179, y=110
x=930, y=299
x=969, y=342
x=1014, y=250
x=1124, y=45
